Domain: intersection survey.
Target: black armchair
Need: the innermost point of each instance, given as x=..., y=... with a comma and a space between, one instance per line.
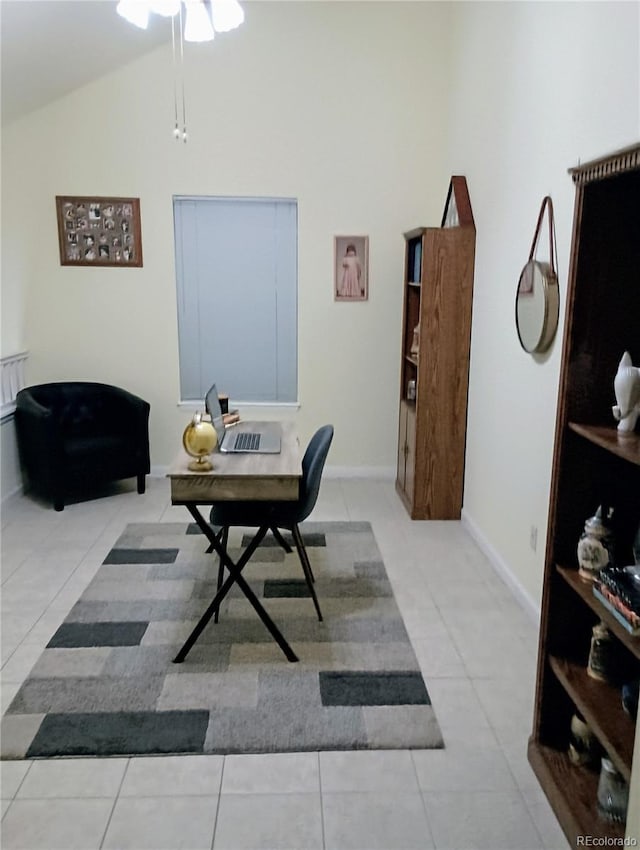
x=77, y=433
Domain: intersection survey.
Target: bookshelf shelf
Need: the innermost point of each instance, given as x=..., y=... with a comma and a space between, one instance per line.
x=626, y=446
x=571, y=791
x=585, y=591
x=600, y=705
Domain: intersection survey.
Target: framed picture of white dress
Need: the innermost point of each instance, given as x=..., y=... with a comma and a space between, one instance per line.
x=351, y=268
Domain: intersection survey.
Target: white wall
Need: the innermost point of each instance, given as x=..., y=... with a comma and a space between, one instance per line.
x=537, y=87
x=340, y=105
x=346, y=107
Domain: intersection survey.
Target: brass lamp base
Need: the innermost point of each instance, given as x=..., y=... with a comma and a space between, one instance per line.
x=201, y=465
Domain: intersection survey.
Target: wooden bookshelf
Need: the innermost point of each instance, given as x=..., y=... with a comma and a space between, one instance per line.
x=432, y=427
x=593, y=464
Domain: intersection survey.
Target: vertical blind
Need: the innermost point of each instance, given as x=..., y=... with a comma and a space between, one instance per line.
x=236, y=277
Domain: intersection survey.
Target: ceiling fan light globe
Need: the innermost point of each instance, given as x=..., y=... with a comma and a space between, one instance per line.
x=198, y=26
x=135, y=12
x=226, y=15
x=166, y=8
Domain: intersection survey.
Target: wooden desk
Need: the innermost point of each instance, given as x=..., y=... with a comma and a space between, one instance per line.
x=237, y=477
x=240, y=476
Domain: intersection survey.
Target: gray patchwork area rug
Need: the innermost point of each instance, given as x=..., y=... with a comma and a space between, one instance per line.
x=106, y=684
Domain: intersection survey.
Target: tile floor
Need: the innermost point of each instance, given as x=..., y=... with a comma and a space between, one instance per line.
x=475, y=645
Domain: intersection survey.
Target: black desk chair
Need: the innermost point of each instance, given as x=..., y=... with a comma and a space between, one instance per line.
x=281, y=515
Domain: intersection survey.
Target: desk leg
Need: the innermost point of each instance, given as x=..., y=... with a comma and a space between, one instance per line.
x=280, y=539
x=266, y=619
x=235, y=576
x=223, y=536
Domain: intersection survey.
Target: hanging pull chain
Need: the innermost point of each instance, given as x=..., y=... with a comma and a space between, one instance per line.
x=178, y=78
x=184, y=108
x=176, y=128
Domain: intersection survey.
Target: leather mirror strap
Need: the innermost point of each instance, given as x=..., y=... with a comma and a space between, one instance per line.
x=547, y=203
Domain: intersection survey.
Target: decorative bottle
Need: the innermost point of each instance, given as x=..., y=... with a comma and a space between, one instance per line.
x=613, y=794
x=595, y=546
x=584, y=747
x=602, y=664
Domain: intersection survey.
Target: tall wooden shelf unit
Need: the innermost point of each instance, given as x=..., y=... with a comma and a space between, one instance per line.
x=438, y=292
x=593, y=464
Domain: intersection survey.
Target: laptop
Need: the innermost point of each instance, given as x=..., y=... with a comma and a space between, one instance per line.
x=258, y=438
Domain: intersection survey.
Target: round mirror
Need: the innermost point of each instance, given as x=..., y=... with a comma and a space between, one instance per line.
x=537, y=306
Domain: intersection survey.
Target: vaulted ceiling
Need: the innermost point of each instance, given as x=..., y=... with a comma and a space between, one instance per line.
x=51, y=47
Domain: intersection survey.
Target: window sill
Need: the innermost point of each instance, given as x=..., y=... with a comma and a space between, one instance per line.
x=263, y=406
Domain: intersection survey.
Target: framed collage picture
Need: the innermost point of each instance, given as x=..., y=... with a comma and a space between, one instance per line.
x=351, y=268
x=95, y=231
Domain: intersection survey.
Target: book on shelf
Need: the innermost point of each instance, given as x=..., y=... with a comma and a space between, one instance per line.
x=621, y=616
x=616, y=590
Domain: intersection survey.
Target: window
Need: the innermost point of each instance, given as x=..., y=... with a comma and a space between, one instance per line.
x=236, y=271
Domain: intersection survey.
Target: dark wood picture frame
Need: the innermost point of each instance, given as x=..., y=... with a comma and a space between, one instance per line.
x=98, y=231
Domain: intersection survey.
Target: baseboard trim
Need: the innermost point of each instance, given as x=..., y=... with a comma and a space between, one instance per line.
x=11, y=483
x=502, y=568
x=15, y=491
x=369, y=472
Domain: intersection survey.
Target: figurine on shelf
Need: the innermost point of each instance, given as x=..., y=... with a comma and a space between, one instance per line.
x=415, y=342
x=595, y=546
x=602, y=664
x=584, y=747
x=627, y=389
